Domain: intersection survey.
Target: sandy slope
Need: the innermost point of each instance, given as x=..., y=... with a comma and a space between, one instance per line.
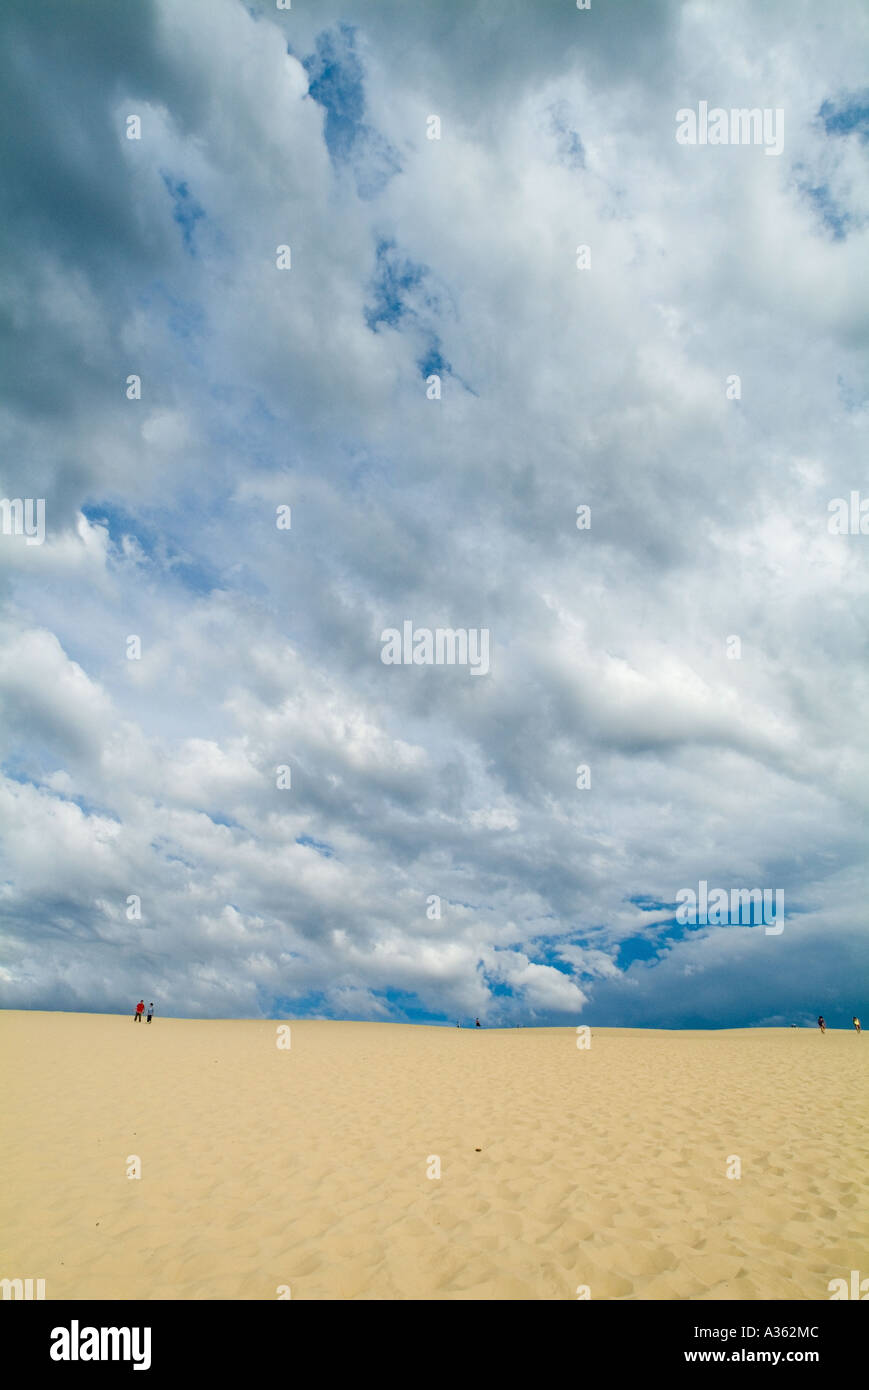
x=307, y=1167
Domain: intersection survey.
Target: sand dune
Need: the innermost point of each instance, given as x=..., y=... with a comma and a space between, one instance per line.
x=307, y=1167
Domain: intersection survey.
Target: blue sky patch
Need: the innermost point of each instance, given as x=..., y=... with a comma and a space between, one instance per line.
x=320, y=846
x=185, y=211
x=155, y=544
x=847, y=116
x=394, y=276
x=434, y=361
x=336, y=82
x=834, y=218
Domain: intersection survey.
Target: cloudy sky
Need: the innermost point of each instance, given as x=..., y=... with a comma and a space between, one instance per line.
x=150, y=846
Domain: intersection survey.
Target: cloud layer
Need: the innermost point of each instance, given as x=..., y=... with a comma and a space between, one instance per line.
x=429, y=854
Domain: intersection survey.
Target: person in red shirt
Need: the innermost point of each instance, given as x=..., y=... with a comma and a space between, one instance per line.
x=140, y=1009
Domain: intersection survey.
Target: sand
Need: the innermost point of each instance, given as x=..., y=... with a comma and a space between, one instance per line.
x=306, y=1169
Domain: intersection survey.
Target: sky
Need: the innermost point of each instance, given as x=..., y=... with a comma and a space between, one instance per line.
x=215, y=793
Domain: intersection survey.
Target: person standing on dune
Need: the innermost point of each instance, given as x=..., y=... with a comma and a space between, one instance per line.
x=140, y=1009
x=856, y=1022
x=821, y=1024
x=150, y=1011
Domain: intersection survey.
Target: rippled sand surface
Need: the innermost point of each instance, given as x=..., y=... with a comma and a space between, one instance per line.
x=306, y=1169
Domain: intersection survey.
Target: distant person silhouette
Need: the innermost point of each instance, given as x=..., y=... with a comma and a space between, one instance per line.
x=150, y=1011
x=821, y=1024
x=140, y=1009
x=856, y=1022
x=478, y=1024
